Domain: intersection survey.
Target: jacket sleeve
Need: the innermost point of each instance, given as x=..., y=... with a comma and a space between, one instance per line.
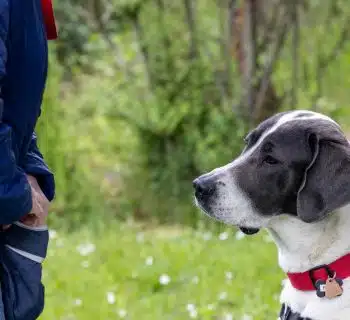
x=35, y=165
x=15, y=192
x=24, y=249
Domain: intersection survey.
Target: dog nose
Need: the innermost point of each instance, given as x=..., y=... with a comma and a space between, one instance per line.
x=203, y=188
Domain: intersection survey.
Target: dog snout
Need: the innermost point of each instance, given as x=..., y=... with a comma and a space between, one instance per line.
x=204, y=188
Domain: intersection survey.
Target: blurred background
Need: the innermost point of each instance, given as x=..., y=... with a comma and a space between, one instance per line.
x=143, y=96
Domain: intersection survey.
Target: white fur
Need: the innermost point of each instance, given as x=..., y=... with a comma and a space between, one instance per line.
x=245, y=214
x=301, y=246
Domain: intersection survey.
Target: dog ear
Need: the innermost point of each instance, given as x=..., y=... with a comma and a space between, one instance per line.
x=326, y=182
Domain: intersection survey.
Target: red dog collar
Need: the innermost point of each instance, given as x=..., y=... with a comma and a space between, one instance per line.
x=49, y=19
x=305, y=281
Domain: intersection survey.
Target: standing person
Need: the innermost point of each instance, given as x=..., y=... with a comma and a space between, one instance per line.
x=26, y=183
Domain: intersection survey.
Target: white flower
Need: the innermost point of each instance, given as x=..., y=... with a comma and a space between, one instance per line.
x=211, y=306
x=164, y=279
x=222, y=296
x=86, y=249
x=149, y=261
x=195, y=280
x=78, y=302
x=247, y=317
x=239, y=235
x=193, y=314
x=223, y=236
x=228, y=275
x=110, y=297
x=122, y=313
x=52, y=234
x=191, y=308
x=228, y=316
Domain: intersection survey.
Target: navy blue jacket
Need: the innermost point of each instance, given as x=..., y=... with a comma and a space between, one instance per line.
x=23, y=71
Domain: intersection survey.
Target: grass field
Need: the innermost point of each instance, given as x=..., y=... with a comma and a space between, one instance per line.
x=128, y=271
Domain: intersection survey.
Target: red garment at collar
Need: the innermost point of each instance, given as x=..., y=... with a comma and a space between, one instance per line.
x=49, y=19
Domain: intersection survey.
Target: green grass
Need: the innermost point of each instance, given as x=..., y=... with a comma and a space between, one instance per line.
x=117, y=273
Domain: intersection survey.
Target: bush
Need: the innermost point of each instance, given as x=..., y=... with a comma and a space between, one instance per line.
x=68, y=149
x=149, y=106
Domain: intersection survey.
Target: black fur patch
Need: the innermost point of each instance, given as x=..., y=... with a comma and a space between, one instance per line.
x=286, y=313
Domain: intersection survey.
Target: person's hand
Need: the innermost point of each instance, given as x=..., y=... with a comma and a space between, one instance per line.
x=40, y=209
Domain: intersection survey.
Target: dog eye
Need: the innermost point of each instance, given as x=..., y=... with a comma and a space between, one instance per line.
x=270, y=160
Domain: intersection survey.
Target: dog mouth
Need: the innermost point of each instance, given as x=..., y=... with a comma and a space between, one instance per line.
x=249, y=231
x=203, y=209
x=246, y=231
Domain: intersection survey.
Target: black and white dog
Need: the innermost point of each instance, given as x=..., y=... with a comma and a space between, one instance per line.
x=293, y=178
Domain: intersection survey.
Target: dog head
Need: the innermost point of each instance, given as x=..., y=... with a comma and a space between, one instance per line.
x=295, y=163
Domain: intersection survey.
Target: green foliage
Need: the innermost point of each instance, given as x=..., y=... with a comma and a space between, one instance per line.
x=148, y=104
x=122, y=272
x=67, y=149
